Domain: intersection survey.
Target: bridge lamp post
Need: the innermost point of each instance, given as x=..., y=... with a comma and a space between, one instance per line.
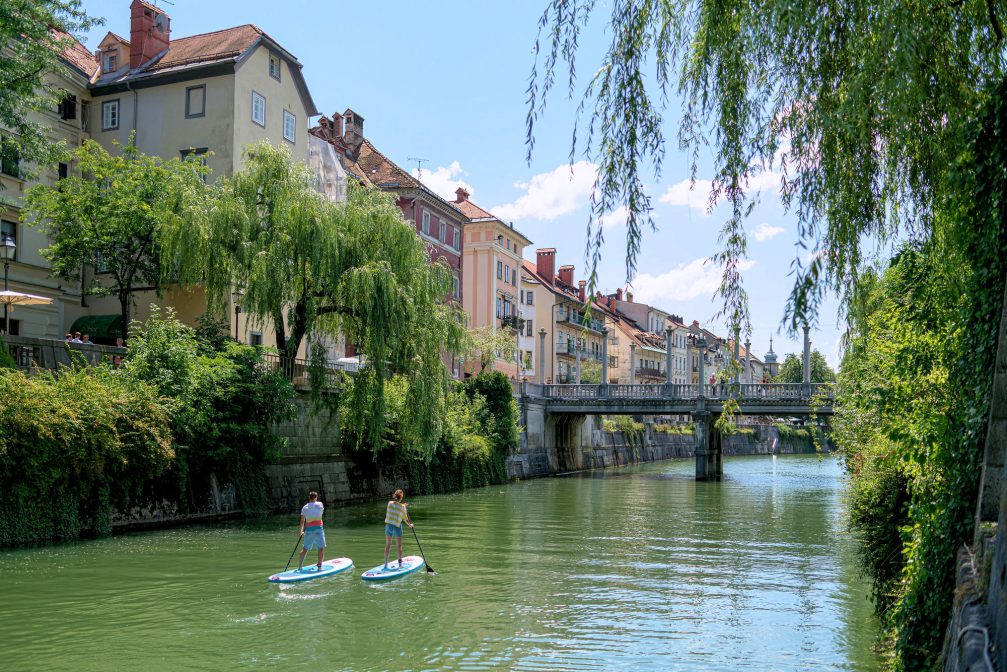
x=698, y=341
x=9, y=247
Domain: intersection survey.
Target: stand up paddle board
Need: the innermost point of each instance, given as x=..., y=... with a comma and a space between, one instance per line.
x=308, y=572
x=410, y=564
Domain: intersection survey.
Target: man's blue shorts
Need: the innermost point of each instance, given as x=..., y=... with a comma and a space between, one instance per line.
x=393, y=530
x=314, y=537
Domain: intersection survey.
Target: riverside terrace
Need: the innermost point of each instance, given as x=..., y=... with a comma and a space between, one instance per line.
x=554, y=415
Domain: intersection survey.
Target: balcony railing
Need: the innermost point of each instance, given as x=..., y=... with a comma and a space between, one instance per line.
x=569, y=349
x=577, y=318
x=35, y=354
x=298, y=371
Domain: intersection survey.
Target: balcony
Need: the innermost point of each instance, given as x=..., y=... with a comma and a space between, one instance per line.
x=577, y=319
x=649, y=372
x=569, y=350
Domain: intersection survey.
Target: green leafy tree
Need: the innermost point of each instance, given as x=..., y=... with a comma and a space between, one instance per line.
x=792, y=369
x=33, y=36
x=310, y=268
x=109, y=217
x=590, y=372
x=854, y=110
x=487, y=344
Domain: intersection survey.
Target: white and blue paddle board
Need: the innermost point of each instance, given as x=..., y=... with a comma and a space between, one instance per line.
x=410, y=564
x=308, y=572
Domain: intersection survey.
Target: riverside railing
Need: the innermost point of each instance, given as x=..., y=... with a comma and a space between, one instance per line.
x=35, y=354
x=298, y=371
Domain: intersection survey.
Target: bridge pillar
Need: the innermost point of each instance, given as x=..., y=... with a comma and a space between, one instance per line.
x=709, y=449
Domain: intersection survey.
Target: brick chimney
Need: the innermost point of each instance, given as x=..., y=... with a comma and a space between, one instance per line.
x=149, y=31
x=581, y=292
x=353, y=136
x=618, y=294
x=566, y=275
x=461, y=195
x=545, y=264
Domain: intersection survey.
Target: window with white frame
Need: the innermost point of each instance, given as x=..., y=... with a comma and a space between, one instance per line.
x=457, y=239
x=289, y=126
x=110, y=61
x=499, y=270
x=499, y=307
x=507, y=274
x=258, y=109
x=442, y=232
x=530, y=295
x=110, y=115
x=274, y=66
x=195, y=101
x=529, y=329
x=426, y=223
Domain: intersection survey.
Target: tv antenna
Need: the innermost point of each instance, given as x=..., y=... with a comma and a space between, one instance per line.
x=419, y=166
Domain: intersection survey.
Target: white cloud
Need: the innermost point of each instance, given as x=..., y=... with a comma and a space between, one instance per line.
x=699, y=277
x=615, y=219
x=547, y=196
x=764, y=232
x=444, y=181
x=694, y=195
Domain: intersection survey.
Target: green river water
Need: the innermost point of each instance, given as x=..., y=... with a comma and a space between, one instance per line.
x=638, y=568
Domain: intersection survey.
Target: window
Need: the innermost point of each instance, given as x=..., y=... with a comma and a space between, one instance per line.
x=197, y=154
x=507, y=274
x=530, y=295
x=513, y=278
x=426, y=223
x=14, y=329
x=258, y=109
x=289, y=126
x=522, y=296
x=64, y=171
x=9, y=230
x=195, y=101
x=457, y=286
x=67, y=107
x=499, y=270
x=10, y=160
x=442, y=233
x=110, y=61
x=274, y=66
x=457, y=236
x=255, y=339
x=529, y=329
x=499, y=307
x=110, y=115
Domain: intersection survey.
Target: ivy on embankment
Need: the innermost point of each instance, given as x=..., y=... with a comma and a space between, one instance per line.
x=78, y=445
x=915, y=395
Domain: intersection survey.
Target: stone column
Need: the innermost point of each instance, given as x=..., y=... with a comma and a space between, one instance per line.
x=807, y=362
x=748, y=360
x=669, y=334
x=701, y=347
x=576, y=346
x=541, y=356
x=709, y=466
x=632, y=363
x=604, y=356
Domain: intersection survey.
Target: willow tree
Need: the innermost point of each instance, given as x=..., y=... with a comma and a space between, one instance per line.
x=858, y=105
x=309, y=269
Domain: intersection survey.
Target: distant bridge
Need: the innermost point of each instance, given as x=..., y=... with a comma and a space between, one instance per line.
x=554, y=415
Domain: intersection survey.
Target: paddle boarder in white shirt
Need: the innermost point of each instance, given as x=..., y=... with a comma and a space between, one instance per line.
x=395, y=515
x=311, y=529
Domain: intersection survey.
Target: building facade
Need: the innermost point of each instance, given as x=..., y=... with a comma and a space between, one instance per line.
x=491, y=271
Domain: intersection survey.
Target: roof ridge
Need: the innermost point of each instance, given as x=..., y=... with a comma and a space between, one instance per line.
x=392, y=163
x=222, y=30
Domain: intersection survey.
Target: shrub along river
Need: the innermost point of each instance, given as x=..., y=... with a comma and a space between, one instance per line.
x=634, y=568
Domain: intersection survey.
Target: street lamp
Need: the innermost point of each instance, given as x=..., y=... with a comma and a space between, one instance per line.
x=237, y=312
x=9, y=247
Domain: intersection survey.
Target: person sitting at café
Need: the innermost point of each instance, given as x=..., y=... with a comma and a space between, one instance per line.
x=87, y=340
x=68, y=338
x=76, y=338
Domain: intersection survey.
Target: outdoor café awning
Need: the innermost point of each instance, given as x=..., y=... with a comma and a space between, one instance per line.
x=99, y=326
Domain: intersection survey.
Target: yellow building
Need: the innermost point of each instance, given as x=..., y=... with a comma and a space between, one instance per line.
x=28, y=271
x=211, y=94
x=492, y=292
x=574, y=347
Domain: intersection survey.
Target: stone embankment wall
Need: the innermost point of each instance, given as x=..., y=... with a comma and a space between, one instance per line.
x=613, y=449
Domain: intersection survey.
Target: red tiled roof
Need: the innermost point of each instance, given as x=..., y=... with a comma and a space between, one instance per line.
x=77, y=54
x=378, y=169
x=215, y=46
x=473, y=211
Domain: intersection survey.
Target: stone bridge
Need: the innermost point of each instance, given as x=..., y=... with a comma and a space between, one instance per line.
x=554, y=415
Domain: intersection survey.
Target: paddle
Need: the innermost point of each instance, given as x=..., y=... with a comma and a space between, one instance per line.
x=430, y=570
x=296, y=544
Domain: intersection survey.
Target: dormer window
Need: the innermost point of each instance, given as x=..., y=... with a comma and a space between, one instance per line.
x=274, y=66
x=110, y=61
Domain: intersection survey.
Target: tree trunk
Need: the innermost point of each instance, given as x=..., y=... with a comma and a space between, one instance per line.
x=124, y=313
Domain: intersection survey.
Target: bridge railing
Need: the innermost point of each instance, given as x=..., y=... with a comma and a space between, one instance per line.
x=751, y=392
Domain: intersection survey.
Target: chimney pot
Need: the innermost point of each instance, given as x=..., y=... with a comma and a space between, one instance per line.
x=566, y=275
x=149, y=33
x=545, y=264
x=629, y=297
x=581, y=292
x=461, y=195
x=618, y=294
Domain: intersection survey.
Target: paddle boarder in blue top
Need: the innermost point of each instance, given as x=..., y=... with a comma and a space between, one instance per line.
x=395, y=515
x=311, y=529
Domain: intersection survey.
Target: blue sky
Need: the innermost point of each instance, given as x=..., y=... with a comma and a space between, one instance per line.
x=445, y=81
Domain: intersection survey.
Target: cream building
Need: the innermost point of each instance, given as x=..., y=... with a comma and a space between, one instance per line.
x=574, y=333
x=492, y=291
x=209, y=95
x=28, y=271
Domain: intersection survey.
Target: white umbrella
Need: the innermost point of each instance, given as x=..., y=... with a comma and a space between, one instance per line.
x=11, y=298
